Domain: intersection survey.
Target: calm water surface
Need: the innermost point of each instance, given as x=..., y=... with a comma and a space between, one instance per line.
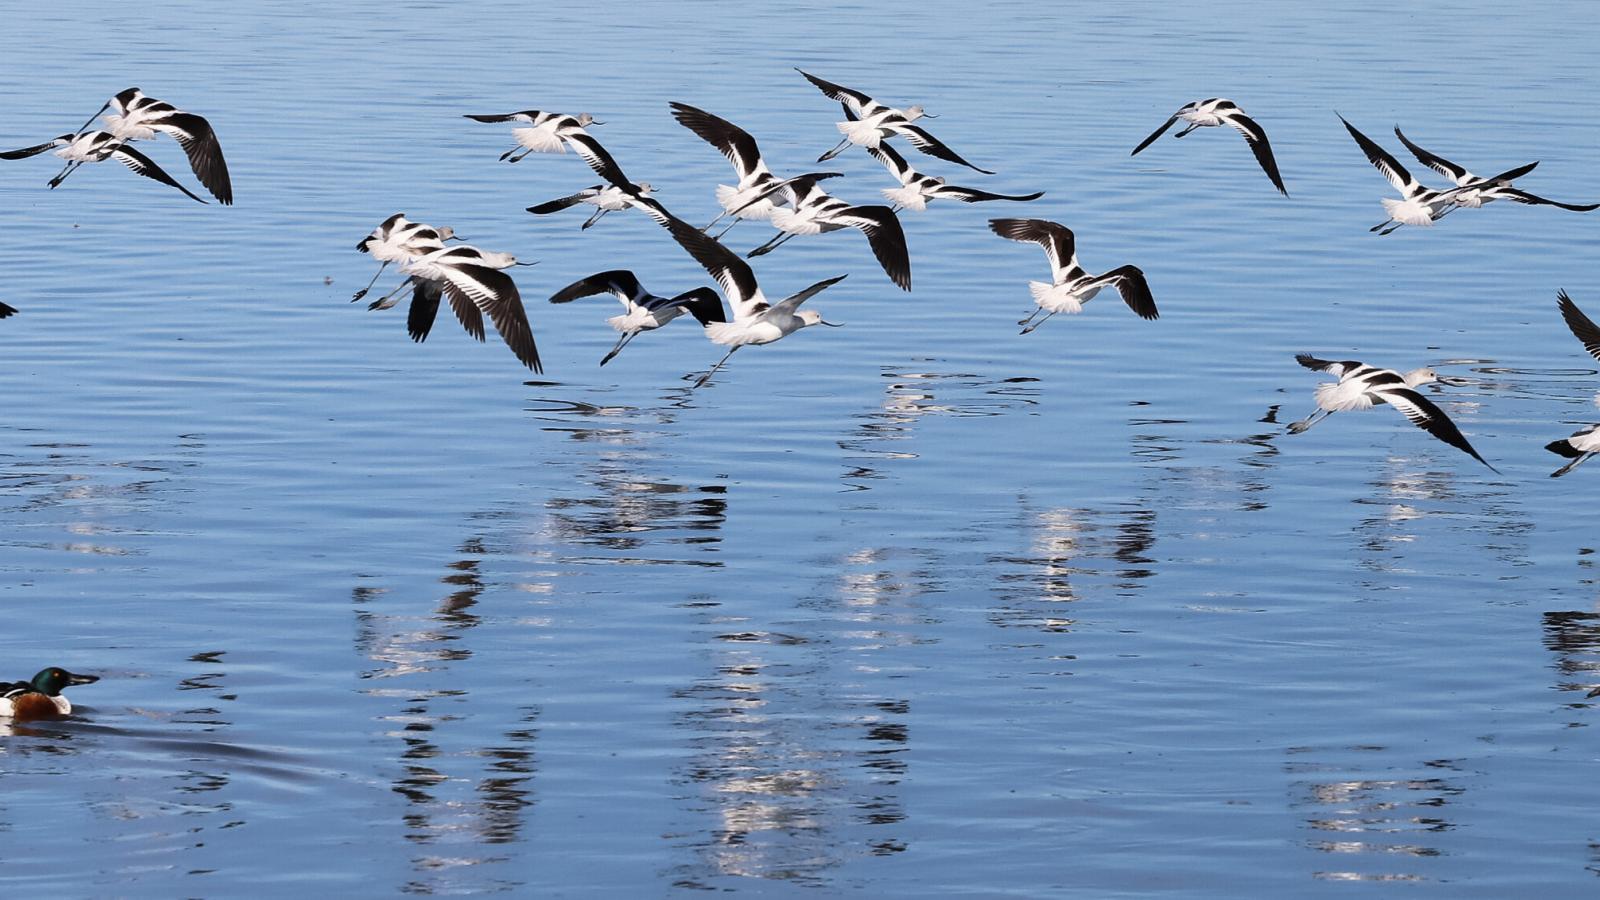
x=914, y=606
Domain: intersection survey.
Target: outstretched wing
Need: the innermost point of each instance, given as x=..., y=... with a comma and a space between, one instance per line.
x=1155, y=134
x=1256, y=137
x=143, y=165
x=493, y=292
x=789, y=304
x=525, y=116
x=855, y=100
x=1430, y=418
x=932, y=146
x=702, y=303
x=732, y=274
x=36, y=149
x=621, y=282
x=424, y=309
x=1383, y=162
x=557, y=205
x=1445, y=167
x=600, y=161
x=1055, y=238
x=1520, y=196
x=1129, y=282
x=732, y=141
x=199, y=142
x=7, y=311
x=1581, y=326
x=1324, y=365
x=885, y=236
x=973, y=195
x=896, y=163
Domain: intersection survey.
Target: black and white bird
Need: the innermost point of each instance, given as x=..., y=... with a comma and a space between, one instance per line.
x=1070, y=286
x=137, y=117
x=1474, y=191
x=398, y=239
x=758, y=192
x=606, y=197
x=1584, y=442
x=98, y=146
x=644, y=311
x=1361, y=386
x=917, y=190
x=815, y=211
x=1219, y=111
x=868, y=123
x=755, y=320
x=1581, y=326
x=1418, y=205
x=471, y=279
x=542, y=132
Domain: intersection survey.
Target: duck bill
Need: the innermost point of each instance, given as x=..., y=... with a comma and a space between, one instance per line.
x=82, y=679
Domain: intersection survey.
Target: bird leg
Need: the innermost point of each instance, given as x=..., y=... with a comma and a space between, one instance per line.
x=622, y=342
x=91, y=119
x=707, y=376
x=1035, y=312
x=769, y=246
x=835, y=151
x=1036, y=324
x=1570, y=466
x=387, y=300
x=70, y=168
x=594, y=218
x=1380, y=224
x=363, y=292
x=1306, y=423
x=509, y=152
x=726, y=230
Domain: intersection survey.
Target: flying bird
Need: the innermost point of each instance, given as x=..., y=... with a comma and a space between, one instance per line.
x=137, y=117
x=917, y=190
x=815, y=211
x=644, y=311
x=1218, y=111
x=398, y=239
x=1584, y=443
x=471, y=279
x=868, y=123
x=1361, y=386
x=1420, y=205
x=1476, y=191
x=1070, y=286
x=755, y=320
x=542, y=132
x=606, y=197
x=758, y=192
x=98, y=146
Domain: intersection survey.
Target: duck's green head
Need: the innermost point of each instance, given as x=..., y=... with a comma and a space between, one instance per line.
x=53, y=680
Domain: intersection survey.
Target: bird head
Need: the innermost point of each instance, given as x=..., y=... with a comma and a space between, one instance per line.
x=809, y=317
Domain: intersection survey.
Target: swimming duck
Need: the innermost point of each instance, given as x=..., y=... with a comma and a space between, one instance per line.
x=41, y=698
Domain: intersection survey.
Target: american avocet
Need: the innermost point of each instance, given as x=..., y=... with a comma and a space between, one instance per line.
x=1070, y=286
x=816, y=212
x=645, y=311
x=1476, y=191
x=753, y=197
x=916, y=190
x=1218, y=111
x=472, y=280
x=98, y=146
x=755, y=321
x=547, y=132
x=1361, y=386
x=1584, y=443
x=398, y=239
x=136, y=117
x=608, y=197
x=868, y=122
x=1420, y=205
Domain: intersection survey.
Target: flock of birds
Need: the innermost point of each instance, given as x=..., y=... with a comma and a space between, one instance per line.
x=476, y=283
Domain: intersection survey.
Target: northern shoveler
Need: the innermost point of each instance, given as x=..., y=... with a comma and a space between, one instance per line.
x=41, y=698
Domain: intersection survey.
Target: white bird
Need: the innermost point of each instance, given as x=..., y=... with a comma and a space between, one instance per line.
x=815, y=211
x=644, y=311
x=1476, y=191
x=917, y=190
x=1420, y=205
x=868, y=123
x=398, y=239
x=607, y=197
x=1361, y=386
x=1584, y=443
x=755, y=321
x=1070, y=286
x=98, y=146
x=1218, y=111
x=545, y=132
x=753, y=197
x=136, y=117
x=472, y=280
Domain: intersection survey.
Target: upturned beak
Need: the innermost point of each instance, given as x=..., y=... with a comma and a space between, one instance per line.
x=534, y=263
x=1453, y=381
x=929, y=116
x=596, y=122
x=830, y=324
x=81, y=679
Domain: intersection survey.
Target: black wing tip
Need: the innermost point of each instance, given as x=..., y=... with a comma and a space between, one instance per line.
x=7, y=312
x=1563, y=447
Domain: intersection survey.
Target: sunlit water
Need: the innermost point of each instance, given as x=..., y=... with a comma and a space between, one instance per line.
x=912, y=606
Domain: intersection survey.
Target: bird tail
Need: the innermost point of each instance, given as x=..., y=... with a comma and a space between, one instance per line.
x=910, y=198
x=1407, y=212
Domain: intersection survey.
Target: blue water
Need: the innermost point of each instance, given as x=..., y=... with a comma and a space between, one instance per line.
x=915, y=606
